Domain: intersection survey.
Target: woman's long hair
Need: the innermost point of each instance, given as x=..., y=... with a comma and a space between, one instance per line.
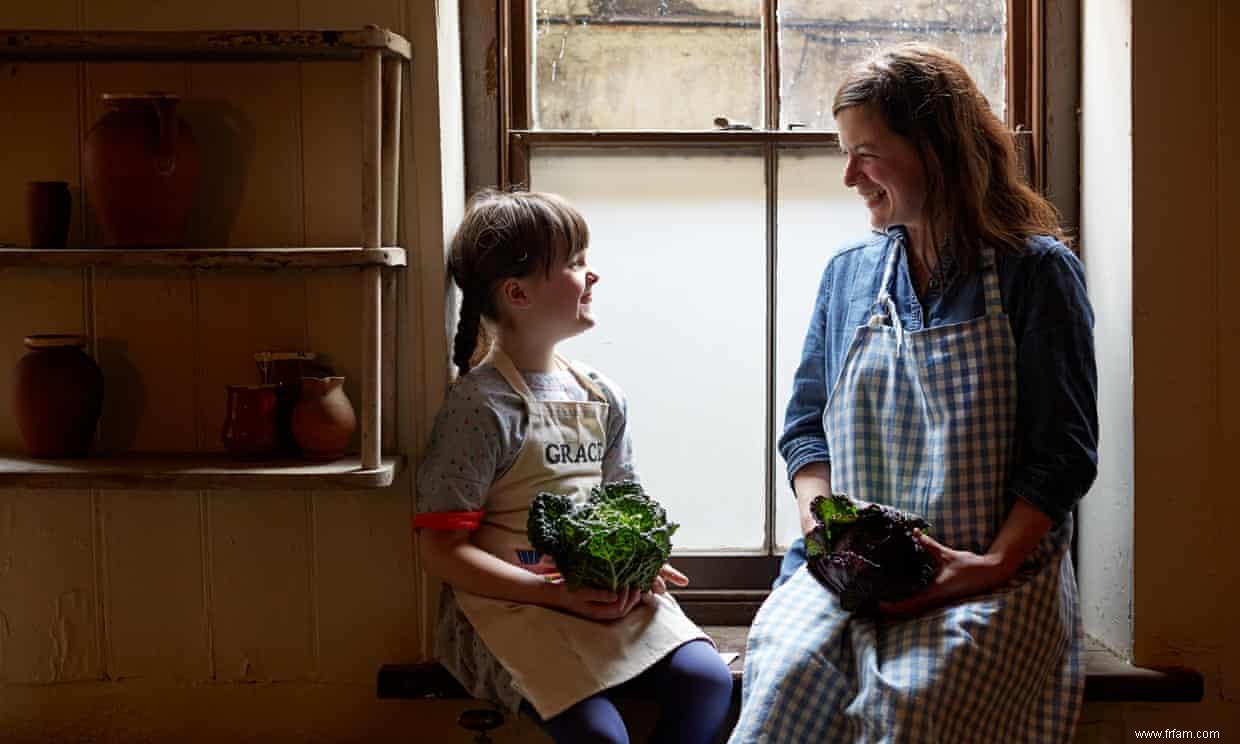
x=503, y=235
x=974, y=193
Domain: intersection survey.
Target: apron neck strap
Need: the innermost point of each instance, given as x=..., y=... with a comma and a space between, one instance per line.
x=582, y=378
x=508, y=370
x=986, y=264
x=990, y=281
x=894, y=247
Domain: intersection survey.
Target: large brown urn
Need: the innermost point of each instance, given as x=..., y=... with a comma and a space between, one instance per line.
x=142, y=171
x=58, y=396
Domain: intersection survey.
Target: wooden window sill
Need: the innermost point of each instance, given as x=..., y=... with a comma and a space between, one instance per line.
x=1108, y=678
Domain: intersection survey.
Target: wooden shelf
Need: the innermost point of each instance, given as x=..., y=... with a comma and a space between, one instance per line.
x=275, y=44
x=381, y=56
x=206, y=258
x=195, y=472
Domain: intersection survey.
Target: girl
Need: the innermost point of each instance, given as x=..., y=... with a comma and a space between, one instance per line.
x=508, y=630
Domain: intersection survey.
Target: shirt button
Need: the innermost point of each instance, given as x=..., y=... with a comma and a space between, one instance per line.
x=934, y=284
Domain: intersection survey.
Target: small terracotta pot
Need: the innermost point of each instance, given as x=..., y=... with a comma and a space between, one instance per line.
x=250, y=430
x=58, y=396
x=323, y=420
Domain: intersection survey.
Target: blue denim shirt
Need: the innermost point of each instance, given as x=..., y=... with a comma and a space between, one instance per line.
x=1043, y=294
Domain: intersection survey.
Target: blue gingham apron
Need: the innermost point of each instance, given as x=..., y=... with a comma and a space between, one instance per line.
x=923, y=421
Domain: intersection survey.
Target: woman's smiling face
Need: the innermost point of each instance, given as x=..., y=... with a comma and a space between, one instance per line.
x=884, y=168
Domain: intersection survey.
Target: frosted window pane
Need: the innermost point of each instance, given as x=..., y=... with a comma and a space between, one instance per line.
x=646, y=64
x=820, y=39
x=817, y=216
x=678, y=239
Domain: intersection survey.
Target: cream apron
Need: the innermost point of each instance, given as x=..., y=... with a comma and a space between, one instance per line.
x=557, y=659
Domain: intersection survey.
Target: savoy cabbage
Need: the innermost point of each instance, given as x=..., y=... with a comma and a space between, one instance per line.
x=617, y=537
x=867, y=554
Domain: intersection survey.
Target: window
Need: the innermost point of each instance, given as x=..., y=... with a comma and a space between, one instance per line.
x=697, y=138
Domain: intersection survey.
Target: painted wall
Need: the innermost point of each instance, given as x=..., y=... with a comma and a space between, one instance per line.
x=1185, y=355
x=1105, y=529
x=178, y=612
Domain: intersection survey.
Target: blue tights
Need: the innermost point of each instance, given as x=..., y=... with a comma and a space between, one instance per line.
x=692, y=685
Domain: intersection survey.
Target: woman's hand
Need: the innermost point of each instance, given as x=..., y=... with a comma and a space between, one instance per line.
x=597, y=604
x=961, y=574
x=668, y=575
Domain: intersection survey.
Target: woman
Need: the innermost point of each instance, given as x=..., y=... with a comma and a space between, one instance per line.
x=949, y=371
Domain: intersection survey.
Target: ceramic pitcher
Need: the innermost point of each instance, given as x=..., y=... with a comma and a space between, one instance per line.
x=323, y=421
x=142, y=170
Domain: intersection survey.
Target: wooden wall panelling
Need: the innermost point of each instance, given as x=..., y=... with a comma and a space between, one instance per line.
x=49, y=630
x=1228, y=278
x=332, y=152
x=39, y=128
x=355, y=14
x=32, y=301
x=480, y=85
x=52, y=14
x=250, y=134
x=365, y=579
x=154, y=15
x=144, y=325
x=433, y=185
x=154, y=585
x=247, y=120
x=260, y=585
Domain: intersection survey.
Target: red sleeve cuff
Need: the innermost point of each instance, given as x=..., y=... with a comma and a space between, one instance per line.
x=462, y=520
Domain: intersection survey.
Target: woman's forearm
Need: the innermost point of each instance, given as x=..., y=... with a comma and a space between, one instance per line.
x=1018, y=537
x=451, y=558
x=811, y=481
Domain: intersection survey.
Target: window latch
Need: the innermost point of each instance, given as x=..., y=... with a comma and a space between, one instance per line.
x=723, y=122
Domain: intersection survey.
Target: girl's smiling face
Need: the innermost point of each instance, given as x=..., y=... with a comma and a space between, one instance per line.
x=561, y=300
x=884, y=168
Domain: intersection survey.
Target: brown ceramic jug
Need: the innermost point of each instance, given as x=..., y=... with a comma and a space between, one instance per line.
x=323, y=420
x=58, y=396
x=250, y=427
x=142, y=170
x=286, y=368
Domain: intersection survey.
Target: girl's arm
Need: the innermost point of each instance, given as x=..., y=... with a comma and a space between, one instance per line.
x=449, y=556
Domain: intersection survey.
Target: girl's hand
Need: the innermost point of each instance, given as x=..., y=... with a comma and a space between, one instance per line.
x=961, y=574
x=668, y=575
x=597, y=604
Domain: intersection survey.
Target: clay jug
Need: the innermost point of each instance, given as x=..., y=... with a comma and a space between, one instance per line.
x=142, y=170
x=58, y=396
x=250, y=429
x=323, y=420
x=286, y=368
